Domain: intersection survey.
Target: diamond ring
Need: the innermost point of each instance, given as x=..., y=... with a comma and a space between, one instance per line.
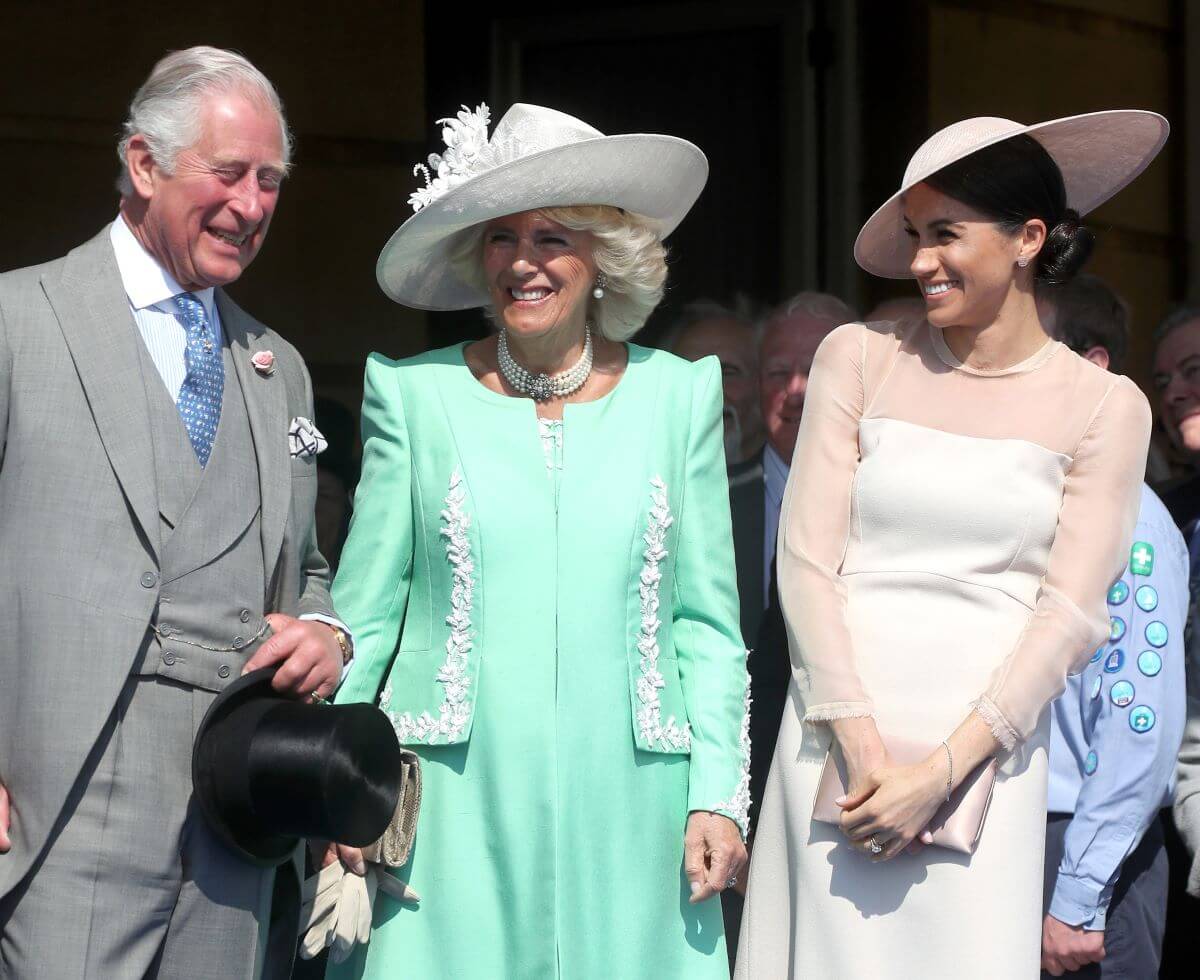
x=731, y=881
x=875, y=846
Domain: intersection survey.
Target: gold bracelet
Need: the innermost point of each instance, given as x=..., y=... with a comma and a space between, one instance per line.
x=340, y=636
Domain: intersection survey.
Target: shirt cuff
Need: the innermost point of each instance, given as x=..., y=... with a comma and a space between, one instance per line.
x=1077, y=903
x=337, y=624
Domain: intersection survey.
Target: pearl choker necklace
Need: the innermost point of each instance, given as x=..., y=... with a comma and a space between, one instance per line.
x=543, y=387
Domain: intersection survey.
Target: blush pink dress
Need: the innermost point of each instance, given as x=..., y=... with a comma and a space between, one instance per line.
x=946, y=542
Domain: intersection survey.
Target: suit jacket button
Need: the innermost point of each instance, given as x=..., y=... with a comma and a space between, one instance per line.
x=169, y=659
x=149, y=580
x=238, y=642
x=223, y=671
x=244, y=616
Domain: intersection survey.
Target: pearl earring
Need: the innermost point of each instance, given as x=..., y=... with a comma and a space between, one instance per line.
x=601, y=282
x=1023, y=261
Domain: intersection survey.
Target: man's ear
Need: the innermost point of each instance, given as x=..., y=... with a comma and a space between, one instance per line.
x=143, y=171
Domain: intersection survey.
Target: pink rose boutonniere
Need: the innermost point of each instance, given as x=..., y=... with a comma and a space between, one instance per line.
x=264, y=363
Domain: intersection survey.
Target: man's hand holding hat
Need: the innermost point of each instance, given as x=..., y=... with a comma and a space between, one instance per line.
x=307, y=652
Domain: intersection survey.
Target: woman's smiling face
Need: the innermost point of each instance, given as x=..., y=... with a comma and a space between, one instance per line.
x=964, y=263
x=539, y=272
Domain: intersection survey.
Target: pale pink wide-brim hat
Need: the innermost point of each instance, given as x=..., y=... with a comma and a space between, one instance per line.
x=1098, y=153
x=535, y=158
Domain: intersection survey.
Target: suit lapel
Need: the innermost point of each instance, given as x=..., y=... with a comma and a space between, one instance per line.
x=93, y=314
x=266, y=407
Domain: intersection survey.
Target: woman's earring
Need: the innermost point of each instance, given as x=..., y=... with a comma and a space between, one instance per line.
x=601, y=282
x=1023, y=261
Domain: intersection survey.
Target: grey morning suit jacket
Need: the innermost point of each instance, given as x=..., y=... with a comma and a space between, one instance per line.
x=79, y=518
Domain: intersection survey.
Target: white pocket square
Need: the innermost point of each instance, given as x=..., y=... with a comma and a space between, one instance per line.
x=304, y=438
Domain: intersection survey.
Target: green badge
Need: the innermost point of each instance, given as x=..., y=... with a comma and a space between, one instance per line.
x=1141, y=558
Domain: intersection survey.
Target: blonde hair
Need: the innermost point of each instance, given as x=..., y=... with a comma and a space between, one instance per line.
x=627, y=249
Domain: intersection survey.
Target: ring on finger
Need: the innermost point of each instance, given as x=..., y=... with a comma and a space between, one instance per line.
x=731, y=881
x=874, y=845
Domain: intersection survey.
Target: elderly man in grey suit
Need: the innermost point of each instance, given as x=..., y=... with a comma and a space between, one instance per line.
x=157, y=480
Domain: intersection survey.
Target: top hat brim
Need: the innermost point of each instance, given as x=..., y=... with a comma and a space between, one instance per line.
x=262, y=848
x=1098, y=154
x=659, y=177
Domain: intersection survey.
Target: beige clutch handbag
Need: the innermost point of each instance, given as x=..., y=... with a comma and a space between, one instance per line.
x=956, y=826
x=391, y=850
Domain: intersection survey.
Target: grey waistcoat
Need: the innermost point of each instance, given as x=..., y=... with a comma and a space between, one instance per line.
x=211, y=581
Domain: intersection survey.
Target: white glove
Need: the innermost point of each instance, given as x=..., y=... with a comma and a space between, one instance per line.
x=318, y=909
x=336, y=909
x=353, y=914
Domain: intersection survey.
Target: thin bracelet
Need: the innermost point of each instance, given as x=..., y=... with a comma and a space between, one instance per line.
x=950, y=774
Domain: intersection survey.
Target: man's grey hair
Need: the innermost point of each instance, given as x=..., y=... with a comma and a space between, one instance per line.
x=700, y=310
x=1174, y=320
x=166, y=109
x=819, y=306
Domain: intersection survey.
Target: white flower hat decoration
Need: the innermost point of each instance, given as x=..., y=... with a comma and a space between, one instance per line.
x=535, y=158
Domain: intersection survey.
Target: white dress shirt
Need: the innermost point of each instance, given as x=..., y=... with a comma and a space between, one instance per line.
x=151, y=290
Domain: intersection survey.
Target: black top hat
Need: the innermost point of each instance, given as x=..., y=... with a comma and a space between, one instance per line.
x=268, y=770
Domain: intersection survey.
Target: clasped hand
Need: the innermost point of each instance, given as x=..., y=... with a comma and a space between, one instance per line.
x=308, y=655
x=893, y=806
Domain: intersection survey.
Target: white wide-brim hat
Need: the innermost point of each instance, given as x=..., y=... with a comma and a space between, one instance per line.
x=535, y=158
x=1098, y=153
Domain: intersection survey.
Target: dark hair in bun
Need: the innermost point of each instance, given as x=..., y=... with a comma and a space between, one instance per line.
x=1012, y=182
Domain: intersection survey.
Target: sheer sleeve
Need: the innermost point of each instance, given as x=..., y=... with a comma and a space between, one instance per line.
x=1090, y=549
x=814, y=528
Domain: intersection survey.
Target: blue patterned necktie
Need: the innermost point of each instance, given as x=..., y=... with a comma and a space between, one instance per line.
x=200, y=396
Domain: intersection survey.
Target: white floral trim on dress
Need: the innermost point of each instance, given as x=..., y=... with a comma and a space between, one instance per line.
x=671, y=736
x=738, y=806
x=455, y=710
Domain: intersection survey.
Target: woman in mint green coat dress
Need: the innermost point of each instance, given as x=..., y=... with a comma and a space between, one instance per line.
x=539, y=575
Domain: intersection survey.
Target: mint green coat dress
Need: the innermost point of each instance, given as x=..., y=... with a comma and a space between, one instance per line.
x=556, y=634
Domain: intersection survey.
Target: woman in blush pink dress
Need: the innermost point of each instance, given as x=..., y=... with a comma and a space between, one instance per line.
x=962, y=495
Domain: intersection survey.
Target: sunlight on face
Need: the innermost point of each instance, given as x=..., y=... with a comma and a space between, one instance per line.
x=788, y=350
x=963, y=261
x=539, y=273
x=207, y=219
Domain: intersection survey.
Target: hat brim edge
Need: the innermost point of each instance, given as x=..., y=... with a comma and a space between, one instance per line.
x=682, y=189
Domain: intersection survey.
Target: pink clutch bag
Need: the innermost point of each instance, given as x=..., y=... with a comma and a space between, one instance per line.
x=957, y=824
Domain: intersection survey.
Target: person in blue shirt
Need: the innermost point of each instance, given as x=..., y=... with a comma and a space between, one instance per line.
x=1117, y=727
